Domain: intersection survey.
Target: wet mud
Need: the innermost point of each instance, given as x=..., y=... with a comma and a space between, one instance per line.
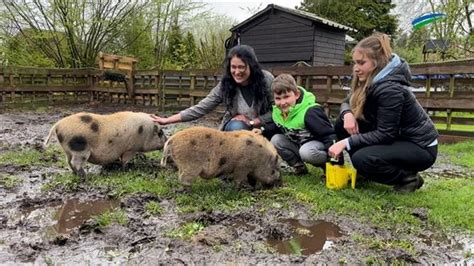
x=55, y=227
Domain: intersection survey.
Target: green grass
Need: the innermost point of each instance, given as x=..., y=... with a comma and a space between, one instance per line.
x=370, y=242
x=109, y=217
x=460, y=153
x=53, y=155
x=448, y=202
x=10, y=181
x=207, y=195
x=185, y=231
x=153, y=208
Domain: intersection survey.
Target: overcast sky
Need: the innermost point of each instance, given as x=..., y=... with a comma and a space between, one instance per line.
x=406, y=10
x=239, y=10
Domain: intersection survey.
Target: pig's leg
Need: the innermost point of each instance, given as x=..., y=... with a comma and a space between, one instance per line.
x=125, y=158
x=187, y=175
x=240, y=176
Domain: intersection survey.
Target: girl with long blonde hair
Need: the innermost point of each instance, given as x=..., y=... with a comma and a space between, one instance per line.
x=388, y=135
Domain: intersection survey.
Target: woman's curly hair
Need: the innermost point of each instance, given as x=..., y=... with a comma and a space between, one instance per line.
x=256, y=79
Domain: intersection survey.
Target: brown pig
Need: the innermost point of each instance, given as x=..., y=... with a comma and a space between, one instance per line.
x=104, y=139
x=207, y=152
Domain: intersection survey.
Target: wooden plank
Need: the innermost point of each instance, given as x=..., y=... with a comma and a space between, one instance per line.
x=469, y=134
x=35, y=88
x=454, y=120
x=447, y=103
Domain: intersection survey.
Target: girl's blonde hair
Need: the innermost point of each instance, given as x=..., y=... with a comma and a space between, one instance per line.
x=377, y=49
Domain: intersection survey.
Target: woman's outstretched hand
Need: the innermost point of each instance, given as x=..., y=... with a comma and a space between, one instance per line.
x=350, y=123
x=158, y=119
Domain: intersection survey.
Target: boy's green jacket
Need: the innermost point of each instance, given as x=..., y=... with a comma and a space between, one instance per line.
x=294, y=125
x=295, y=119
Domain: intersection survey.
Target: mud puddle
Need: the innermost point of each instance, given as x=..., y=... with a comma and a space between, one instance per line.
x=308, y=238
x=72, y=213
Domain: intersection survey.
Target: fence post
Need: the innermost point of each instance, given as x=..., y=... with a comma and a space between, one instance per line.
x=2, y=81
x=12, y=84
x=329, y=84
x=298, y=80
x=192, y=87
x=157, y=89
x=449, y=112
x=428, y=85
x=163, y=91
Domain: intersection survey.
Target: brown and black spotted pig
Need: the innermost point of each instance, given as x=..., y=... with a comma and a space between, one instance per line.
x=207, y=152
x=104, y=139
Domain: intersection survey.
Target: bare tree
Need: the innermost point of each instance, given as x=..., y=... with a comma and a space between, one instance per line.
x=456, y=26
x=72, y=32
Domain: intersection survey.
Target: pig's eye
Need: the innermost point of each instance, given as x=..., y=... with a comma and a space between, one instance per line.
x=160, y=133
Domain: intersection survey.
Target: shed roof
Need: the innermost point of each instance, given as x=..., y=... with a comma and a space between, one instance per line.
x=299, y=13
x=433, y=46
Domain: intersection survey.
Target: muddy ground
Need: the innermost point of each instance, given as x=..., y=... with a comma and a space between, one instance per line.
x=45, y=227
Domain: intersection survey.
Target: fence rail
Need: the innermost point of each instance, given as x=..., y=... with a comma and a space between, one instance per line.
x=446, y=89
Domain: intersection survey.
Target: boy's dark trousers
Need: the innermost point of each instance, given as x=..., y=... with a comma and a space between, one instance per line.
x=387, y=164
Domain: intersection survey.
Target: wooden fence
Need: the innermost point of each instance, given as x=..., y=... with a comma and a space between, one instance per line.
x=446, y=90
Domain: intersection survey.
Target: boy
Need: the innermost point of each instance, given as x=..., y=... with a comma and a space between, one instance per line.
x=305, y=131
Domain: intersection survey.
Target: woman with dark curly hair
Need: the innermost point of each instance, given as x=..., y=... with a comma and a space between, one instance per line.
x=245, y=89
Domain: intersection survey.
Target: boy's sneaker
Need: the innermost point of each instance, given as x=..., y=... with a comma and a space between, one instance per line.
x=409, y=184
x=300, y=169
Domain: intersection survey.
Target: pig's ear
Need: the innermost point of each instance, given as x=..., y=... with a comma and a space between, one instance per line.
x=257, y=131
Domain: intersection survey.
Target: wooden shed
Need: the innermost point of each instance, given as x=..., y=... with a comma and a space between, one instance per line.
x=283, y=37
x=434, y=50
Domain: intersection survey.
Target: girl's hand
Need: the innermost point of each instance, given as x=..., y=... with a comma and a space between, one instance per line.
x=336, y=149
x=350, y=123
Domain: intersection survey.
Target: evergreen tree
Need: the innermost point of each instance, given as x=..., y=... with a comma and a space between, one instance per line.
x=366, y=16
x=174, y=59
x=190, y=51
x=138, y=42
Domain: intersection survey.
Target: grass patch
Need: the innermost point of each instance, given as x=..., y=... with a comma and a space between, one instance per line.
x=460, y=153
x=153, y=208
x=185, y=231
x=207, y=195
x=51, y=156
x=380, y=244
x=109, y=217
x=66, y=182
x=120, y=182
x=10, y=181
x=448, y=202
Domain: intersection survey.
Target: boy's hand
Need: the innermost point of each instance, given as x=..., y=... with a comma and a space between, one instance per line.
x=350, y=123
x=336, y=149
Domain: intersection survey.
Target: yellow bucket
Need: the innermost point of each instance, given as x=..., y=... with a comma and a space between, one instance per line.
x=338, y=176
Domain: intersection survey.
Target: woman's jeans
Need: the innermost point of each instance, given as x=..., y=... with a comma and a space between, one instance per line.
x=388, y=164
x=234, y=125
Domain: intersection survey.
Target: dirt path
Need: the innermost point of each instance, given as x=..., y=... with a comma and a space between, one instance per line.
x=44, y=227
